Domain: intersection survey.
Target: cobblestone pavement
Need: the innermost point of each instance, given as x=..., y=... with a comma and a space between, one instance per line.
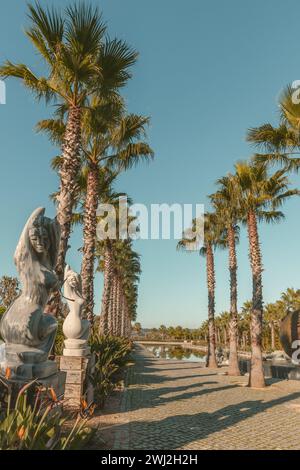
x=170, y=404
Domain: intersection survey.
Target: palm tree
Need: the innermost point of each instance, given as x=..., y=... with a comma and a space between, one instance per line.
x=121, y=267
x=80, y=63
x=128, y=270
x=291, y=299
x=226, y=206
x=163, y=330
x=244, y=324
x=203, y=331
x=105, y=265
x=224, y=323
x=119, y=147
x=137, y=328
x=272, y=316
x=106, y=251
x=259, y=196
x=210, y=242
x=130, y=275
x=281, y=144
x=111, y=142
x=70, y=48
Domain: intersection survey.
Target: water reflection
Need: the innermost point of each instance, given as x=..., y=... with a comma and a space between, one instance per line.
x=176, y=352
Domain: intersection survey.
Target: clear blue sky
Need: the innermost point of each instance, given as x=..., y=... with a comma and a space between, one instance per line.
x=208, y=70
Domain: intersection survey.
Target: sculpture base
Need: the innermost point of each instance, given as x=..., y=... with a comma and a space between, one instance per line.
x=56, y=382
x=76, y=348
x=76, y=352
x=22, y=365
x=20, y=371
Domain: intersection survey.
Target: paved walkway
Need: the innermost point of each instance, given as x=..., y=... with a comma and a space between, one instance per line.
x=170, y=404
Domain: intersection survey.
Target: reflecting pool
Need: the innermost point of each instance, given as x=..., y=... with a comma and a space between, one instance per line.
x=176, y=352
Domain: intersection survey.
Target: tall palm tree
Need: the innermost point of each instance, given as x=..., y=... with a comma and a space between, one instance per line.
x=244, y=324
x=224, y=323
x=211, y=241
x=126, y=270
x=119, y=147
x=114, y=258
x=227, y=210
x=80, y=63
x=112, y=141
x=280, y=144
x=106, y=266
x=69, y=46
x=272, y=317
x=291, y=299
x=259, y=195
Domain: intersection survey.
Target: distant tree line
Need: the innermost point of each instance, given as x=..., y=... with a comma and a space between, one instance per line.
x=273, y=314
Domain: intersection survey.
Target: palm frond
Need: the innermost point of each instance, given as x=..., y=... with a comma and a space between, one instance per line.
x=270, y=216
x=46, y=30
x=84, y=30
x=39, y=85
x=132, y=155
x=54, y=128
x=56, y=163
x=115, y=60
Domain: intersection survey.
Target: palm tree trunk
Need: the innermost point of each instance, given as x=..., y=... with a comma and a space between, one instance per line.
x=233, y=368
x=113, y=304
x=272, y=327
x=108, y=270
x=128, y=327
x=210, y=271
x=68, y=174
x=225, y=336
x=126, y=323
x=118, y=306
x=256, y=378
x=120, y=312
x=111, y=325
x=116, y=297
x=89, y=241
x=244, y=340
x=123, y=321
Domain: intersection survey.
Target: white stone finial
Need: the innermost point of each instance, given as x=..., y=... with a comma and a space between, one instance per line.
x=75, y=329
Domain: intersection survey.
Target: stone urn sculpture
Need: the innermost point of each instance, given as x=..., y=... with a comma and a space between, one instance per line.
x=27, y=331
x=75, y=329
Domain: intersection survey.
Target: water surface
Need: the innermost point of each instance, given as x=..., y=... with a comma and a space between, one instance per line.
x=176, y=352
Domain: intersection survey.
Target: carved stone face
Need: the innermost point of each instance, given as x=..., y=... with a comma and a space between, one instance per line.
x=73, y=280
x=39, y=239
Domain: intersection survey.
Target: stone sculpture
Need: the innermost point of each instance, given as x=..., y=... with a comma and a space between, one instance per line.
x=290, y=332
x=27, y=331
x=75, y=329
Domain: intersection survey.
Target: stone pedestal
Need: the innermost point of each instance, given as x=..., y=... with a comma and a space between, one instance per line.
x=75, y=369
x=76, y=348
x=22, y=365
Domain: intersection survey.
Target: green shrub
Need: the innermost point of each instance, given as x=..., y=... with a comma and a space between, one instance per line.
x=111, y=354
x=59, y=339
x=40, y=425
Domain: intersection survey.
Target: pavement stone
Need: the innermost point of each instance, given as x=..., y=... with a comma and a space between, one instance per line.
x=171, y=404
